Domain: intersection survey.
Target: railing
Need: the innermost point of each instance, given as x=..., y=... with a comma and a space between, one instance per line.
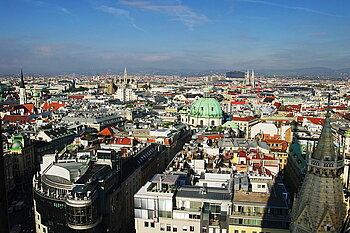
x=51, y=196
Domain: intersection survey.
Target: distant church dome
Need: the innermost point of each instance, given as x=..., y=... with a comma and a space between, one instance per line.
x=206, y=108
x=205, y=111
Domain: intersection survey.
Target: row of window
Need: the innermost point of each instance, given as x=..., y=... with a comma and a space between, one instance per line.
x=170, y=228
x=260, y=210
x=260, y=223
x=201, y=121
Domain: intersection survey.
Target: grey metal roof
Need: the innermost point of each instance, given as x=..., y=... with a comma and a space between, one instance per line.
x=210, y=193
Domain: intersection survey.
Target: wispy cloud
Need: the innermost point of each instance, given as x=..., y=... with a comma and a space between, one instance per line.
x=122, y=14
x=179, y=12
x=66, y=11
x=299, y=8
x=49, y=6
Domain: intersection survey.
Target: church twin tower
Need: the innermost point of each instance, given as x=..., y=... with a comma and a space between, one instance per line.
x=319, y=205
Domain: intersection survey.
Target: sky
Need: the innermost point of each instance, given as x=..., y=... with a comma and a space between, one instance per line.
x=58, y=36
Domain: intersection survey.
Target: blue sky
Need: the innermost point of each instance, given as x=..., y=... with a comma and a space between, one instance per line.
x=105, y=35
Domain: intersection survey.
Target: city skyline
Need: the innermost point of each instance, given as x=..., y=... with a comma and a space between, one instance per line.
x=102, y=36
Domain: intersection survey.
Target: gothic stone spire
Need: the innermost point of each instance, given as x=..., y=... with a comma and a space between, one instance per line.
x=319, y=205
x=22, y=80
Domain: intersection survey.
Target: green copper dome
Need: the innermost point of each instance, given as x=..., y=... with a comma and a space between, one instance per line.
x=206, y=108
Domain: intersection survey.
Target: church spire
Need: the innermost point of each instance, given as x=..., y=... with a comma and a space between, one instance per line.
x=22, y=80
x=22, y=91
x=325, y=149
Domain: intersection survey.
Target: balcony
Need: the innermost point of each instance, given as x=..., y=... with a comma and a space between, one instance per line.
x=261, y=215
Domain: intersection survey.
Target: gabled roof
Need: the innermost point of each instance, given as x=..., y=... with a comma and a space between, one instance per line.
x=106, y=132
x=30, y=108
x=109, y=131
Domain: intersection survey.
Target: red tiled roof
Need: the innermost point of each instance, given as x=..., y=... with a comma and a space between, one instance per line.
x=276, y=104
x=77, y=97
x=122, y=141
x=109, y=131
x=268, y=172
x=213, y=136
x=54, y=105
x=232, y=93
x=347, y=116
x=242, y=154
x=15, y=118
x=314, y=120
x=272, y=140
x=250, y=118
x=30, y=108
x=106, y=132
x=290, y=108
x=238, y=102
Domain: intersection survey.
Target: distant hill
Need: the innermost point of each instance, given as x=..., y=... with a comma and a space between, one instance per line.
x=344, y=70
x=312, y=71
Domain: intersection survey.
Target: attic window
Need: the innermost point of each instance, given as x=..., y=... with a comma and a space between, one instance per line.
x=212, y=109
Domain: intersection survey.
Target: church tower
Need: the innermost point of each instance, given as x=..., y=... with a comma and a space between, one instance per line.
x=125, y=76
x=319, y=205
x=22, y=91
x=252, y=79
